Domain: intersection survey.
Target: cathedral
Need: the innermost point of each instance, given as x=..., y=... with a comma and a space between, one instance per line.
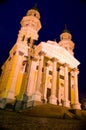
x=46, y=73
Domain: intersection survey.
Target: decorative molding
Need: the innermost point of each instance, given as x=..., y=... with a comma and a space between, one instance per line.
x=42, y=53
x=58, y=52
x=76, y=70
x=54, y=59
x=65, y=65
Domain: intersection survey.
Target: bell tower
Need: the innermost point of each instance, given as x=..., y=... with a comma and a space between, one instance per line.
x=66, y=42
x=15, y=68
x=30, y=25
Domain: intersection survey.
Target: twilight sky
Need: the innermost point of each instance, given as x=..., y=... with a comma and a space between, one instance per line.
x=54, y=15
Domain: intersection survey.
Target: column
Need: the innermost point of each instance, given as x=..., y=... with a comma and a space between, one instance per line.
x=14, y=75
x=45, y=80
x=66, y=102
x=59, y=88
x=30, y=83
x=72, y=96
x=37, y=94
x=53, y=99
x=77, y=105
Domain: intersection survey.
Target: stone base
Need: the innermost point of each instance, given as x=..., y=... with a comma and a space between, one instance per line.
x=36, y=96
x=44, y=99
x=11, y=95
x=11, y=101
x=60, y=104
x=18, y=105
x=2, y=103
x=33, y=103
x=53, y=100
x=66, y=103
x=76, y=106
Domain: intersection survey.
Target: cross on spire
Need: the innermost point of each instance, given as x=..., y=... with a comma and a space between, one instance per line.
x=65, y=29
x=35, y=6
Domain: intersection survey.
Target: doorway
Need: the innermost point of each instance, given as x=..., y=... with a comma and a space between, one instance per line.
x=48, y=94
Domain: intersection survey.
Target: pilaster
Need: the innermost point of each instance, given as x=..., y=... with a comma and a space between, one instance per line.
x=77, y=105
x=11, y=91
x=66, y=102
x=37, y=95
x=45, y=82
x=59, y=88
x=53, y=98
x=30, y=81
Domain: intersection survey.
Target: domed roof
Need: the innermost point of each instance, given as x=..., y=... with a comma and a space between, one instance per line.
x=34, y=12
x=65, y=34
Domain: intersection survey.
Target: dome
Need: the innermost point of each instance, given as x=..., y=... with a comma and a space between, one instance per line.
x=34, y=12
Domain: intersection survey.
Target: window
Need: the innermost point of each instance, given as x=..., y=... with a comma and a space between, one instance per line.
x=28, y=40
x=42, y=69
x=21, y=53
x=26, y=67
x=62, y=85
x=50, y=72
x=37, y=67
x=35, y=14
x=14, y=52
x=61, y=77
x=23, y=38
x=9, y=58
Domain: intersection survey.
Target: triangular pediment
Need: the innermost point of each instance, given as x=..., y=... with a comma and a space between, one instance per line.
x=52, y=49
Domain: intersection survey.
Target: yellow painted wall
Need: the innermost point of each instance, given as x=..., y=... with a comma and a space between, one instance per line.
x=10, y=76
x=49, y=78
x=35, y=78
x=18, y=83
x=72, y=96
x=21, y=89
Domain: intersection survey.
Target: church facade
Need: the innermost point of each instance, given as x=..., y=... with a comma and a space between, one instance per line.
x=43, y=73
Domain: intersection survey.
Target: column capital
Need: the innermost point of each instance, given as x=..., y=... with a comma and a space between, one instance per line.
x=54, y=59
x=76, y=70
x=42, y=53
x=58, y=69
x=65, y=65
x=33, y=58
x=47, y=64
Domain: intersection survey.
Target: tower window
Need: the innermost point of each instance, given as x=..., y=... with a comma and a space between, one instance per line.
x=35, y=14
x=26, y=67
x=9, y=58
x=37, y=67
x=21, y=53
x=23, y=38
x=42, y=69
x=14, y=52
x=50, y=72
x=61, y=77
x=62, y=85
x=28, y=40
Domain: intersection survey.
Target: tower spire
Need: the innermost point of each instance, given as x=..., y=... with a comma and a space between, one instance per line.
x=65, y=29
x=66, y=41
x=65, y=26
x=35, y=7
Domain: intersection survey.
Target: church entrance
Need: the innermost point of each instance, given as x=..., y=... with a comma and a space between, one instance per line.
x=48, y=94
